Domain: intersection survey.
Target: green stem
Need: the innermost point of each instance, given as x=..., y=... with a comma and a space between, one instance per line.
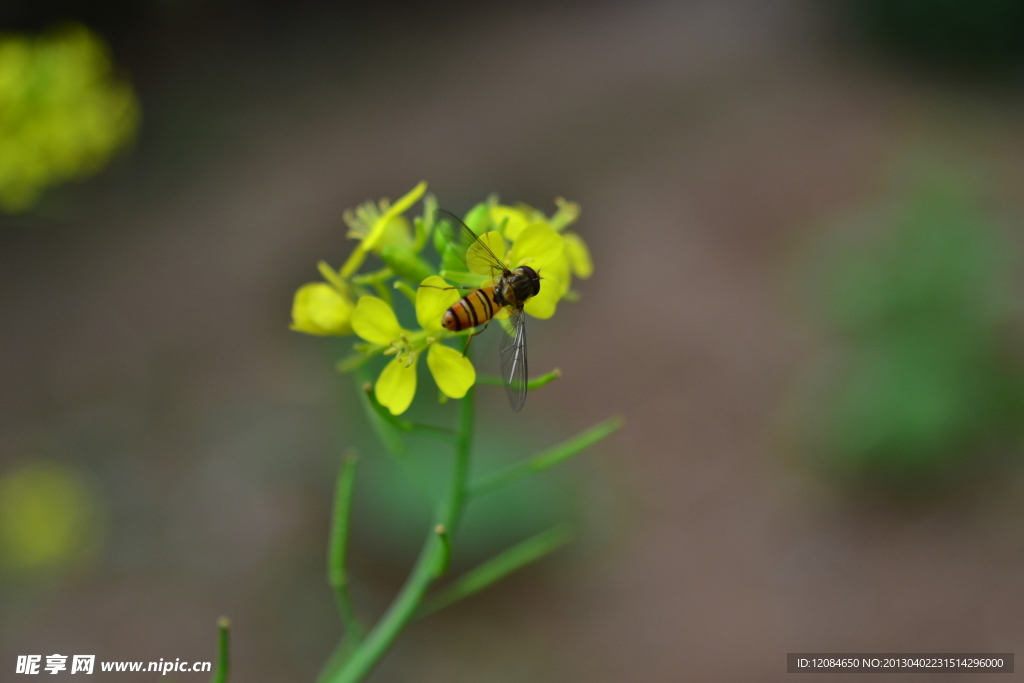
x=383, y=634
x=428, y=565
x=545, y=459
x=336, y=660
x=373, y=278
x=337, y=576
x=220, y=674
x=404, y=425
x=497, y=568
x=331, y=276
x=446, y=551
x=383, y=292
x=463, y=445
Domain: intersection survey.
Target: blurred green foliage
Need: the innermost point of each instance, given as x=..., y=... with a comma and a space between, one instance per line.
x=49, y=519
x=964, y=33
x=388, y=499
x=922, y=311
x=63, y=112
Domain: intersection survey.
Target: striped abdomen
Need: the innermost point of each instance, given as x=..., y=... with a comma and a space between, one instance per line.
x=474, y=309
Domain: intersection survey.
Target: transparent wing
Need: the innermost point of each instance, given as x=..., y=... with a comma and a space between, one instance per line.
x=513, y=360
x=459, y=234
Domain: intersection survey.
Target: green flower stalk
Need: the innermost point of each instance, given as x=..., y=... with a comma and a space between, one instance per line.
x=353, y=300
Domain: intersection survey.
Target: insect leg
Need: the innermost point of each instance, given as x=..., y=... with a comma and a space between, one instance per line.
x=446, y=288
x=473, y=334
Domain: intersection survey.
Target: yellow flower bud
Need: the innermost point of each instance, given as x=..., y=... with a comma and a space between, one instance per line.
x=319, y=309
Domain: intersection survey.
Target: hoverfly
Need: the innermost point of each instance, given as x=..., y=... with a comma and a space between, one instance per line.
x=511, y=289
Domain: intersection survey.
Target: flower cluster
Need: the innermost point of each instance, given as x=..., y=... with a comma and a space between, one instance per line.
x=348, y=301
x=63, y=112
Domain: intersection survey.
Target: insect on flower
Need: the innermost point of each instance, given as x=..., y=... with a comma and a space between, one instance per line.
x=510, y=289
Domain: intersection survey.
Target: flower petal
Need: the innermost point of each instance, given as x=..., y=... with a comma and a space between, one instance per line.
x=544, y=304
x=395, y=210
x=567, y=214
x=513, y=220
x=396, y=385
x=453, y=372
x=537, y=246
x=477, y=258
x=555, y=282
x=578, y=254
x=318, y=308
x=431, y=302
x=560, y=272
x=374, y=321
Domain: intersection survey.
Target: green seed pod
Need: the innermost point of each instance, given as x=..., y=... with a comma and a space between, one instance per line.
x=406, y=264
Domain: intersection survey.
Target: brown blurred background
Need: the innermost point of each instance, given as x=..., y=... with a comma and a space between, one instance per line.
x=818, y=456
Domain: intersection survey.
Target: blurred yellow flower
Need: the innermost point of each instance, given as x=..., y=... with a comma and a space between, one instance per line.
x=49, y=518
x=536, y=246
x=378, y=226
x=578, y=255
x=509, y=220
x=63, y=112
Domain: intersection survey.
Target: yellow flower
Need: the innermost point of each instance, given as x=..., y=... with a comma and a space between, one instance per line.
x=63, y=112
x=319, y=308
x=573, y=258
x=375, y=321
x=536, y=245
x=521, y=236
x=379, y=226
x=552, y=288
x=578, y=255
x=49, y=518
x=509, y=220
x=396, y=232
